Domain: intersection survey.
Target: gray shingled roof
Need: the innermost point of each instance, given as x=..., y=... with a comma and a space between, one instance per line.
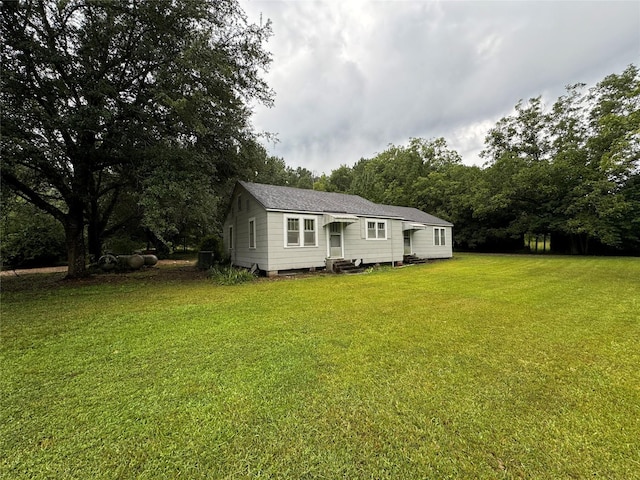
x=411, y=214
x=273, y=197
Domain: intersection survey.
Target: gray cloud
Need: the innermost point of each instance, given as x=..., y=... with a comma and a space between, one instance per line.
x=352, y=77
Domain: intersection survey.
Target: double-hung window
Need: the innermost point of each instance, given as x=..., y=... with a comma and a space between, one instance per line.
x=438, y=236
x=376, y=230
x=301, y=232
x=252, y=233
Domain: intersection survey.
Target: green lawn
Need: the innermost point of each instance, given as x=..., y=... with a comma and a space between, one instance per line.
x=477, y=367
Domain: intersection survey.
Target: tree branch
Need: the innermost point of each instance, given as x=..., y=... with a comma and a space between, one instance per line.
x=31, y=195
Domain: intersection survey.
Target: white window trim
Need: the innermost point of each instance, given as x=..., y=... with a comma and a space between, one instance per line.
x=438, y=234
x=376, y=221
x=255, y=240
x=301, y=219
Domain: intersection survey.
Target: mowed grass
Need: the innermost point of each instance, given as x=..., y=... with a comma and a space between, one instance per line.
x=477, y=367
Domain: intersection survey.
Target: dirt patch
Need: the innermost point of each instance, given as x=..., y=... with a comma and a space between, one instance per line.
x=63, y=269
x=30, y=271
x=54, y=277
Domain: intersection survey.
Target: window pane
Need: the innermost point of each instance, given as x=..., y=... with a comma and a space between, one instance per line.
x=309, y=232
x=442, y=236
x=293, y=231
x=371, y=229
x=381, y=229
x=292, y=238
x=309, y=239
x=252, y=234
x=436, y=236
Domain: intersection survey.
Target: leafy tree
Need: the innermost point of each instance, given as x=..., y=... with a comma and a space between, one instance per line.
x=340, y=179
x=454, y=192
x=300, y=177
x=390, y=176
x=523, y=135
x=92, y=91
x=274, y=171
x=271, y=171
x=596, y=153
x=368, y=180
x=518, y=151
x=29, y=237
x=321, y=183
x=566, y=170
x=630, y=228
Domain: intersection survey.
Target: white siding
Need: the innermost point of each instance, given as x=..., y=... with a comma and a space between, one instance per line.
x=281, y=257
x=423, y=244
x=241, y=254
x=358, y=247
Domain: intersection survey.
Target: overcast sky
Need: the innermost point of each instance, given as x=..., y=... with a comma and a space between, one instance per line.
x=351, y=77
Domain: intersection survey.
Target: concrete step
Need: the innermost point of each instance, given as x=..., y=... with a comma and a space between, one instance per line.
x=413, y=260
x=346, y=266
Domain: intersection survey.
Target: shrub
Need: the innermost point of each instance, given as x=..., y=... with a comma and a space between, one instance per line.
x=30, y=238
x=213, y=243
x=229, y=275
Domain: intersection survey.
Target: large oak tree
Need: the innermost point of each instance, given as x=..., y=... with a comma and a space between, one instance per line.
x=101, y=98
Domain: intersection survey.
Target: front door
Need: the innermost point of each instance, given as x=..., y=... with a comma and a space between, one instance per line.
x=407, y=242
x=335, y=240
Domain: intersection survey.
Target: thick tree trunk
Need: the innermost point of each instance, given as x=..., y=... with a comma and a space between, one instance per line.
x=74, y=232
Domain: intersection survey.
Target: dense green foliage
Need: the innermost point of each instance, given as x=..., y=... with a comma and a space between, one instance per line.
x=214, y=244
x=478, y=367
x=29, y=237
x=114, y=112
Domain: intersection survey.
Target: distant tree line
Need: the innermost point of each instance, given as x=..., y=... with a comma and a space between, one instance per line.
x=568, y=173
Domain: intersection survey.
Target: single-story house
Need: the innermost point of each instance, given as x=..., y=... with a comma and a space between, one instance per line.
x=276, y=228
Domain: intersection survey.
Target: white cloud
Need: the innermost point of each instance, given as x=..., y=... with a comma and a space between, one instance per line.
x=352, y=77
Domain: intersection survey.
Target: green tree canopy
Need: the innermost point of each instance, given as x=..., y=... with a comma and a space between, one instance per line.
x=390, y=176
x=90, y=90
x=567, y=170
